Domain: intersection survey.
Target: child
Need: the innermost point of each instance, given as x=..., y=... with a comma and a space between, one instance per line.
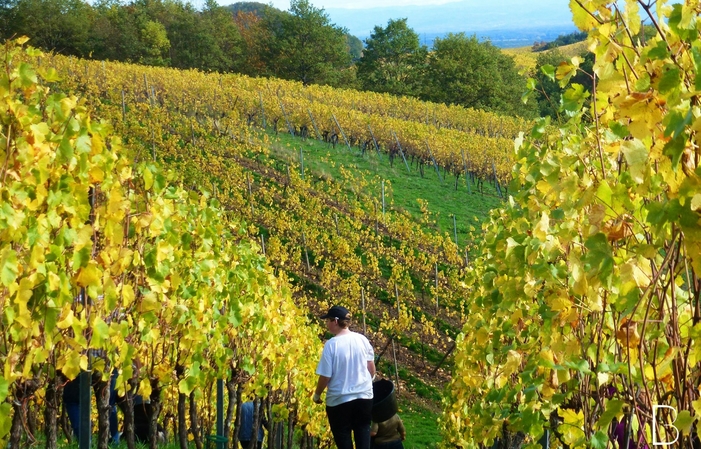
x=388, y=434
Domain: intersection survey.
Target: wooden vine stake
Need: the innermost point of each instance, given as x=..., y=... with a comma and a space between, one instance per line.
x=342, y=133
x=250, y=193
x=284, y=114
x=496, y=180
x=262, y=109
x=306, y=253
x=301, y=163
x=377, y=227
x=467, y=178
x=362, y=297
x=436, y=287
x=435, y=164
x=146, y=90
x=153, y=145
x=383, y=199
x=396, y=370
x=124, y=107
x=316, y=128
x=399, y=145
x=374, y=141
x=396, y=295
x=447, y=354
x=455, y=230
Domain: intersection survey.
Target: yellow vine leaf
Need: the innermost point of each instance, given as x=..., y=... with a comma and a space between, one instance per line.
x=513, y=362
x=89, y=276
x=571, y=427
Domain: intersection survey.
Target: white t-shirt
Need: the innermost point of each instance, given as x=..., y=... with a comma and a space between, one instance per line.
x=345, y=361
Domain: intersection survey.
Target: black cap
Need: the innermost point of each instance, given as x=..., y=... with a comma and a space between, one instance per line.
x=338, y=312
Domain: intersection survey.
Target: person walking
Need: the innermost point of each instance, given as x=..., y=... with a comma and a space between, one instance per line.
x=388, y=434
x=247, y=425
x=346, y=370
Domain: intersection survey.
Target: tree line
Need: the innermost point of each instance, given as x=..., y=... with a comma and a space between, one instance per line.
x=258, y=40
x=561, y=40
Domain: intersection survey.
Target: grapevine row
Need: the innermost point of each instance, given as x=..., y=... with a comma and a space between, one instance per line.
x=315, y=111
x=109, y=265
x=186, y=140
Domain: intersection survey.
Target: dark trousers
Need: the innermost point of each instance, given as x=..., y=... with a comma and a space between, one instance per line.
x=354, y=418
x=246, y=444
x=396, y=444
x=142, y=422
x=71, y=402
x=114, y=422
x=73, y=412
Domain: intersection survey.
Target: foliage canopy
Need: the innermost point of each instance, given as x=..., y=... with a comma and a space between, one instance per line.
x=585, y=308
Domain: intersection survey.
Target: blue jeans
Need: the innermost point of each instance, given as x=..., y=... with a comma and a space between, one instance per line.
x=354, y=418
x=73, y=412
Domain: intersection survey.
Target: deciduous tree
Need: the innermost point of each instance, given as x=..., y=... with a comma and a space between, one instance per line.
x=548, y=92
x=60, y=25
x=393, y=60
x=304, y=46
x=461, y=70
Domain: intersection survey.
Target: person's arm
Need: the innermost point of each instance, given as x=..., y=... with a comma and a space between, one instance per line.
x=321, y=385
x=401, y=429
x=371, y=368
x=370, y=357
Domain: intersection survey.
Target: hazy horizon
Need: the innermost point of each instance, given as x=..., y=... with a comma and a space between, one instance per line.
x=514, y=23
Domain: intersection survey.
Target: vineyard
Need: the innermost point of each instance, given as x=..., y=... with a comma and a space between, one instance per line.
x=336, y=242
x=180, y=222
x=585, y=305
x=177, y=227
x=107, y=254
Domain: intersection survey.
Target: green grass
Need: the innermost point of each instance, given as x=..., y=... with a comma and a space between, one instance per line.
x=405, y=191
x=418, y=386
x=421, y=427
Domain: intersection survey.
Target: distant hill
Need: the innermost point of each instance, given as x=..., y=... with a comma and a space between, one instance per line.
x=561, y=41
x=505, y=38
x=514, y=23
x=525, y=57
x=254, y=7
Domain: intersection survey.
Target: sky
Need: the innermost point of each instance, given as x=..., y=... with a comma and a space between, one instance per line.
x=359, y=4
x=504, y=22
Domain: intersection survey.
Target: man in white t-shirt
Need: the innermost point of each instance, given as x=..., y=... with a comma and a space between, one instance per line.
x=347, y=367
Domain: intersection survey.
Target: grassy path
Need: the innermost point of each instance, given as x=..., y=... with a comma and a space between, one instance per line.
x=406, y=190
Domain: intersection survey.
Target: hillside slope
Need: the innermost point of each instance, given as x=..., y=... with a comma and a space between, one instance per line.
x=315, y=208
x=526, y=58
